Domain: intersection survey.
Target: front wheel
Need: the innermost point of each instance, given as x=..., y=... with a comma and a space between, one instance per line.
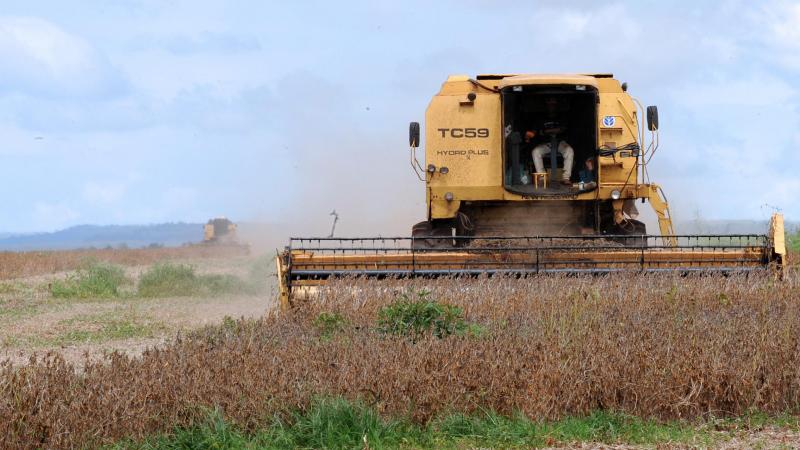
x=429, y=236
x=635, y=229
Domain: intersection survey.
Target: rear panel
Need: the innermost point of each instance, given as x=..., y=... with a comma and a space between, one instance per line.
x=465, y=139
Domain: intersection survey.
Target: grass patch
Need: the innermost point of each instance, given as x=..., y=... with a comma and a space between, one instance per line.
x=168, y=280
x=339, y=424
x=110, y=331
x=13, y=311
x=97, y=328
x=8, y=288
x=181, y=280
x=94, y=280
x=757, y=420
x=114, y=330
x=329, y=324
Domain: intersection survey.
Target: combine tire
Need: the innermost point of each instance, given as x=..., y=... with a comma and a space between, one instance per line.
x=428, y=236
x=634, y=228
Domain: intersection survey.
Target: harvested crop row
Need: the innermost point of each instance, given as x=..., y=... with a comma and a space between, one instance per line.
x=655, y=346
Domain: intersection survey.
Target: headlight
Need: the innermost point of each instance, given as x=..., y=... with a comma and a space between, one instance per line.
x=448, y=196
x=615, y=194
x=443, y=170
x=431, y=168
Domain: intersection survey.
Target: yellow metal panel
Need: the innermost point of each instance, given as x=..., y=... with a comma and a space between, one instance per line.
x=453, y=78
x=520, y=80
x=466, y=139
x=283, y=287
x=617, y=169
x=442, y=209
x=461, y=88
x=747, y=257
x=469, y=192
x=621, y=130
x=778, y=234
x=608, y=85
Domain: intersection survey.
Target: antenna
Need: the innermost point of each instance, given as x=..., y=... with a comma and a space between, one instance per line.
x=335, y=219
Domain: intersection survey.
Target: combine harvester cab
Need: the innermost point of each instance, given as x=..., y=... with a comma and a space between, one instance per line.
x=531, y=174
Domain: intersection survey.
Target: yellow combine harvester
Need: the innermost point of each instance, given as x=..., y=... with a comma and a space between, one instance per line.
x=528, y=174
x=219, y=230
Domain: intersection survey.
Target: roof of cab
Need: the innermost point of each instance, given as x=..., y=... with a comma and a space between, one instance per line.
x=519, y=80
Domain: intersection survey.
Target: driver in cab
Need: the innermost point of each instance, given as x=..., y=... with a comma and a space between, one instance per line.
x=551, y=125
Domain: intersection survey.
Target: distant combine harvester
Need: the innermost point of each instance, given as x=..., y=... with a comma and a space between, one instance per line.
x=220, y=230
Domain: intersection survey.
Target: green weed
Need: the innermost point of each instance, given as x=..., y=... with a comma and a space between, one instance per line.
x=261, y=271
x=168, y=280
x=793, y=240
x=413, y=314
x=329, y=324
x=95, y=280
x=8, y=288
x=110, y=331
x=181, y=280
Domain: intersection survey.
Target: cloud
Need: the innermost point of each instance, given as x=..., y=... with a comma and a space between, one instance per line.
x=53, y=216
x=750, y=90
x=564, y=26
x=730, y=137
x=204, y=42
x=103, y=193
x=787, y=28
x=180, y=198
x=39, y=58
x=778, y=32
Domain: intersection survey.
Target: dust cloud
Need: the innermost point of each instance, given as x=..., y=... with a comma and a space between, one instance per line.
x=340, y=149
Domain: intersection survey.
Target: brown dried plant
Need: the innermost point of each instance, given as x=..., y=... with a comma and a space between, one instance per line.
x=25, y=264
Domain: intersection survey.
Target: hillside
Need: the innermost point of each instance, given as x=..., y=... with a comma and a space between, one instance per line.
x=98, y=236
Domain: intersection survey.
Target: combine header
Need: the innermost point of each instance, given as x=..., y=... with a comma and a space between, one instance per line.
x=309, y=262
x=495, y=208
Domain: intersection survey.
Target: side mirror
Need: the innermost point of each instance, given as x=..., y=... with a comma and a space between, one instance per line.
x=652, y=118
x=413, y=134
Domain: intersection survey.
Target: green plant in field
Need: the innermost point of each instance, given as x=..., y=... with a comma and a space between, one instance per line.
x=116, y=324
x=95, y=280
x=181, y=280
x=114, y=330
x=222, y=284
x=261, y=271
x=413, y=314
x=168, y=280
x=793, y=240
x=336, y=423
x=329, y=324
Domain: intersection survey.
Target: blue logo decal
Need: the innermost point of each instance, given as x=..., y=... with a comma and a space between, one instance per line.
x=609, y=121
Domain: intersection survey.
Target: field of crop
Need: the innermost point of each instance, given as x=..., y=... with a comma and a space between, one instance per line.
x=654, y=360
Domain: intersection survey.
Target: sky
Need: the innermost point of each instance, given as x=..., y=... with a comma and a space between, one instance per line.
x=148, y=111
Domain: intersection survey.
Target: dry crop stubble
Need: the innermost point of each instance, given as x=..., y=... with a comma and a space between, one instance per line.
x=26, y=264
x=654, y=346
